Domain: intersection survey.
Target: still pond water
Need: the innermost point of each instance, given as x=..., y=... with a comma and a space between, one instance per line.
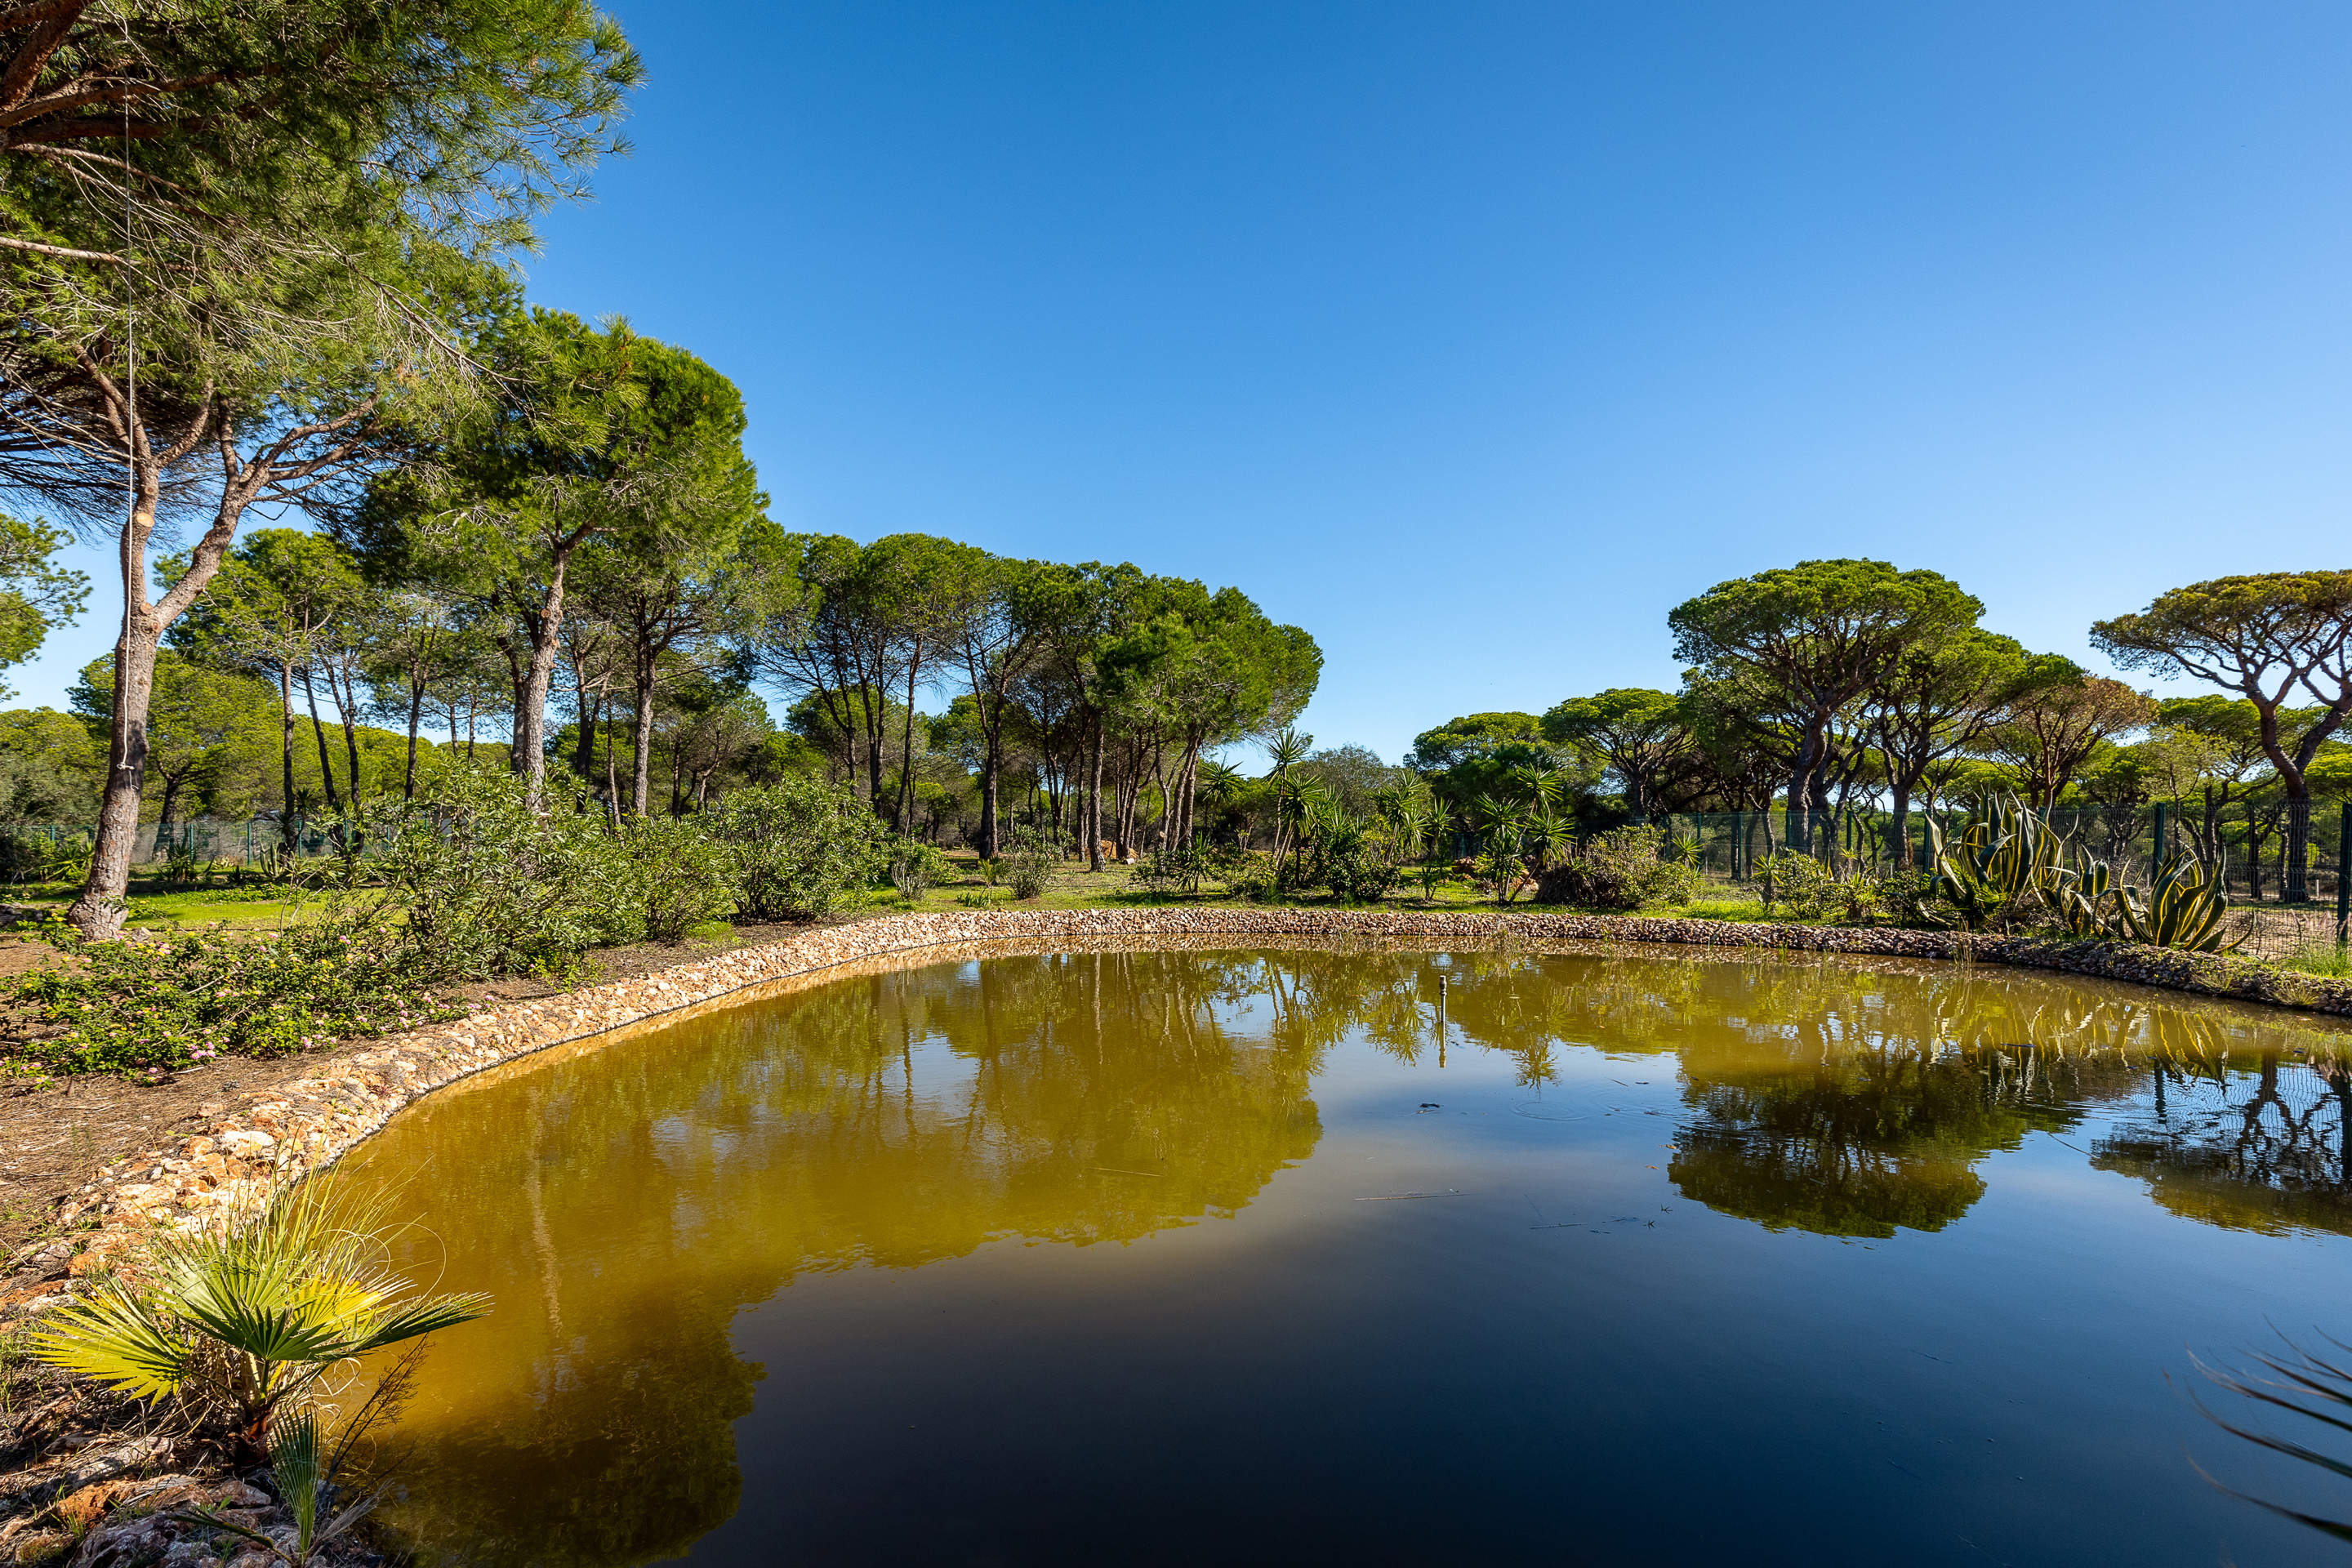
x=1189, y=1256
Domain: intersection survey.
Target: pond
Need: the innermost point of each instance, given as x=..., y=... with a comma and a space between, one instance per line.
x=1310, y=1255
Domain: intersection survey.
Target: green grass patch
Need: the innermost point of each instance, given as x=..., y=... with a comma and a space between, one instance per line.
x=2319, y=957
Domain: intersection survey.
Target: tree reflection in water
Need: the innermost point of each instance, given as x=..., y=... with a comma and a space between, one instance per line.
x=625, y=1204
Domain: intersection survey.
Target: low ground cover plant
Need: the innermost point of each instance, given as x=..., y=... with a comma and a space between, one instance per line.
x=137, y=1006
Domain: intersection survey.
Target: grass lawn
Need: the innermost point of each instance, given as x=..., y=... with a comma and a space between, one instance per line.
x=155, y=907
x=1074, y=887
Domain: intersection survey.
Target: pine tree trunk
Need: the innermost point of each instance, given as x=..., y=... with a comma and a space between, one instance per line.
x=98, y=911
x=287, y=830
x=416, y=720
x=640, y=783
x=2295, y=866
x=349, y=701
x=319, y=732
x=988, y=776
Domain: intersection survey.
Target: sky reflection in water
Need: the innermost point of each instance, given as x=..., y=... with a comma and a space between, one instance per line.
x=1653, y=1258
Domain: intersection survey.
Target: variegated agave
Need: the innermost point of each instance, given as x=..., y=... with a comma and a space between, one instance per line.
x=2080, y=895
x=2184, y=909
x=2001, y=857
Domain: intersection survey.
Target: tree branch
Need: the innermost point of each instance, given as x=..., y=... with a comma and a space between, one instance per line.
x=69, y=254
x=51, y=31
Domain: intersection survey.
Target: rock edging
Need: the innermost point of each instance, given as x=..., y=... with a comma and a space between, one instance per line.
x=312, y=1121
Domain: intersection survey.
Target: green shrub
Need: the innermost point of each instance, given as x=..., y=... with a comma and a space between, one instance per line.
x=492, y=887
x=800, y=846
x=1912, y=897
x=916, y=867
x=1181, y=869
x=1805, y=890
x=1620, y=870
x=22, y=856
x=137, y=1005
x=1029, y=862
x=1358, y=865
x=671, y=875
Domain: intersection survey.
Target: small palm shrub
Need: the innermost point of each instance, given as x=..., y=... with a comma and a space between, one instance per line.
x=801, y=847
x=239, y=1320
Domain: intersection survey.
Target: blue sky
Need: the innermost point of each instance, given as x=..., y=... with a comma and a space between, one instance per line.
x=1474, y=337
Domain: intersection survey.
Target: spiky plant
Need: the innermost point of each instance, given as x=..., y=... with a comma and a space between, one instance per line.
x=2185, y=906
x=2081, y=896
x=242, y=1317
x=2004, y=855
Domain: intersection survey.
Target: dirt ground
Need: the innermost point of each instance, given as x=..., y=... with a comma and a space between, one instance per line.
x=54, y=1138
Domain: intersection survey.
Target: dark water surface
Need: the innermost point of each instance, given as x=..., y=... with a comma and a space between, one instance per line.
x=1202, y=1256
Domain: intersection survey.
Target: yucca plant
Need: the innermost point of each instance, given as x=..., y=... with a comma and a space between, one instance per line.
x=2184, y=909
x=243, y=1316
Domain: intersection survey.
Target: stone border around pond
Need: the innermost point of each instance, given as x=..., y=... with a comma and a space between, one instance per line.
x=310, y=1122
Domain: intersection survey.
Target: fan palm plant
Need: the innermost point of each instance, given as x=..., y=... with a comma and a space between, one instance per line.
x=1505, y=834
x=244, y=1317
x=1286, y=748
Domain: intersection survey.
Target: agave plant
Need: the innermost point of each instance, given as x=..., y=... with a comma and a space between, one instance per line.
x=2184, y=909
x=2002, y=857
x=245, y=1316
x=2080, y=895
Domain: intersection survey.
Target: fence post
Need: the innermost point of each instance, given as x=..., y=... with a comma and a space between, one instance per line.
x=1738, y=842
x=2343, y=882
x=2155, y=848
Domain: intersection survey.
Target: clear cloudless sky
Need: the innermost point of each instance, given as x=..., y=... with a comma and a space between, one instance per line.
x=1473, y=337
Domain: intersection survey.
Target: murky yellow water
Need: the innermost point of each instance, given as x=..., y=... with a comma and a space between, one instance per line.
x=1188, y=1257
